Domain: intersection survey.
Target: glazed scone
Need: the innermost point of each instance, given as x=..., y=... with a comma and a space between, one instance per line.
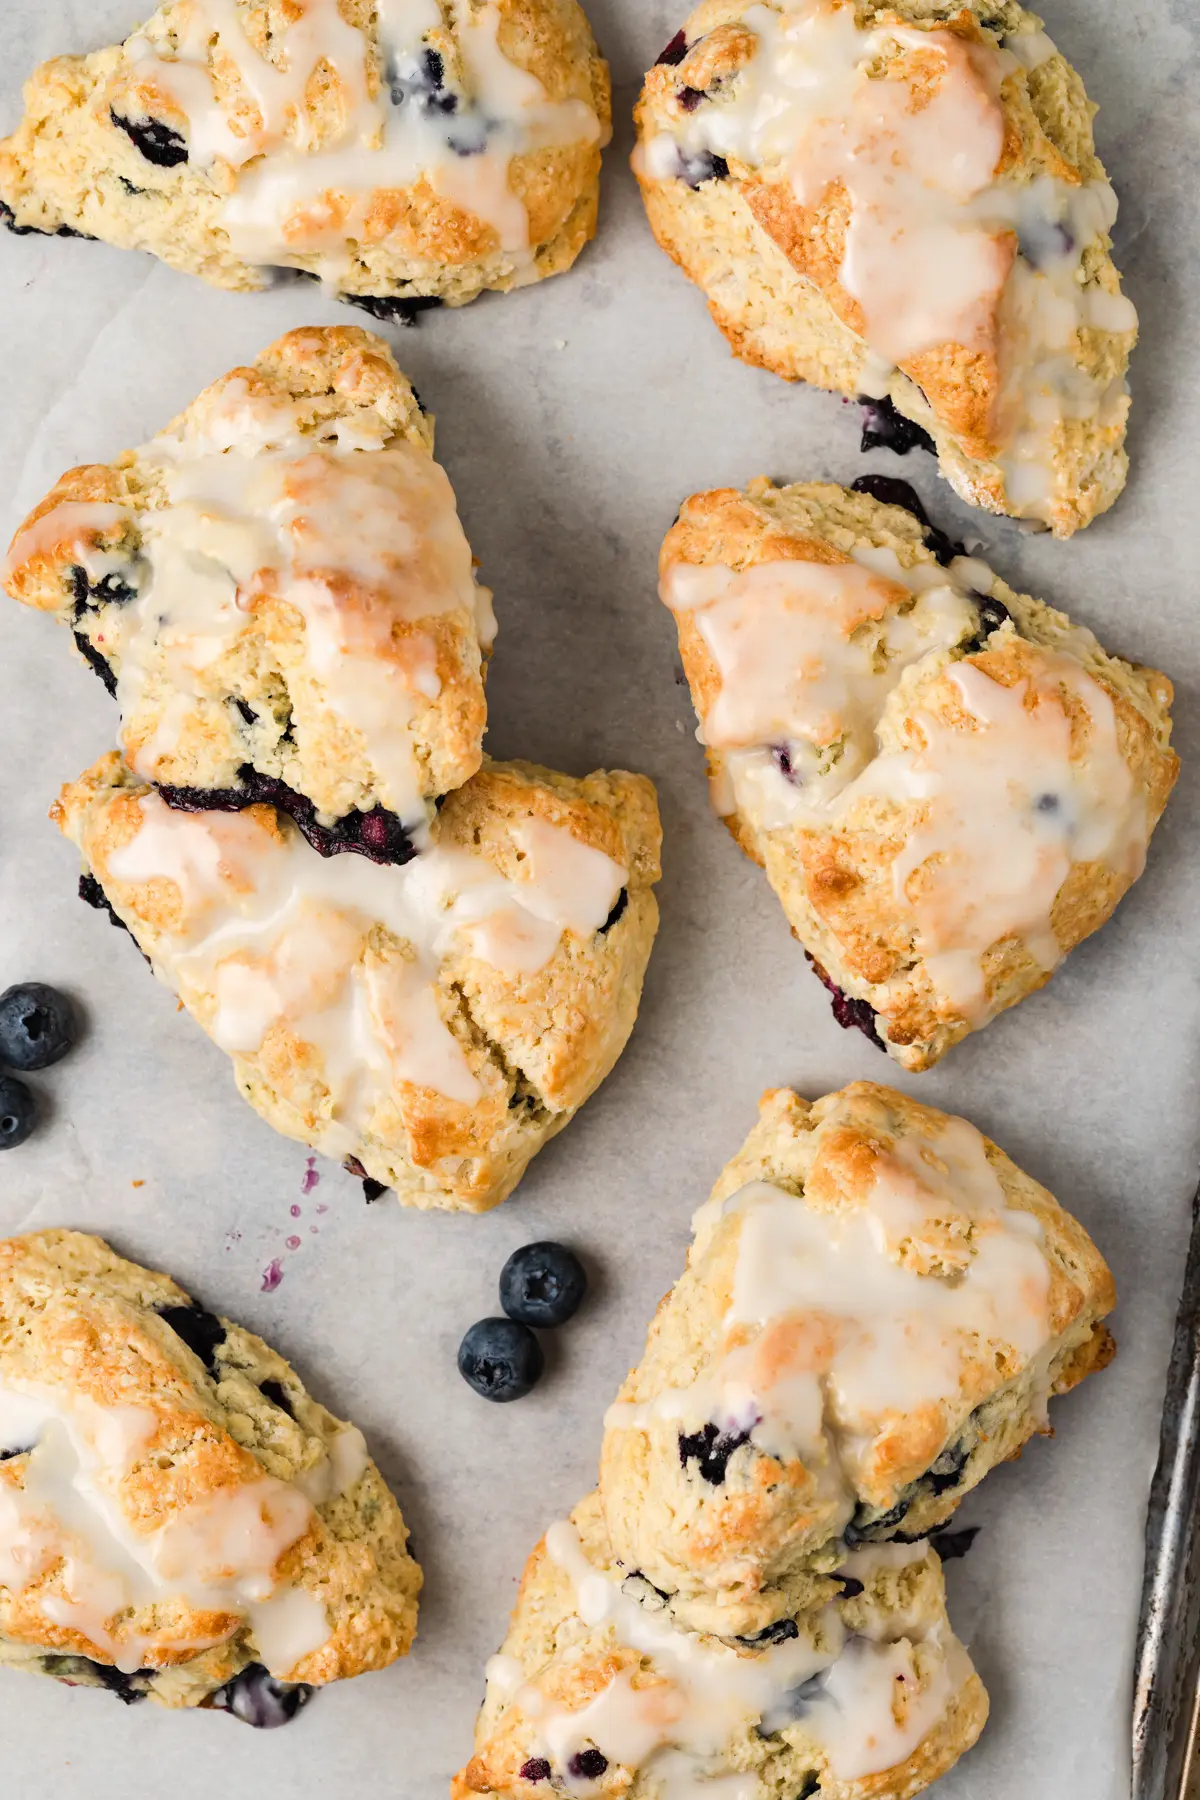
x=877, y=1307
x=279, y=593
x=407, y=152
x=596, y=1691
x=434, y=1023
x=904, y=201
x=178, y=1518
x=948, y=784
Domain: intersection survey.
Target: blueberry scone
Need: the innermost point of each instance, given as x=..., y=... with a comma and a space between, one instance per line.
x=948, y=784
x=904, y=201
x=279, y=594
x=598, y=1691
x=877, y=1307
x=434, y=1023
x=407, y=152
x=179, y=1520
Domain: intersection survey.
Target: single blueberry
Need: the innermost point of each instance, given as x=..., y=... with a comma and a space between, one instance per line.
x=992, y=615
x=500, y=1358
x=277, y=1394
x=92, y=894
x=710, y=1449
x=675, y=51
x=1047, y=803
x=950, y=1545
x=689, y=98
x=618, y=910
x=851, y=1587
x=851, y=1015
x=395, y=309
x=153, y=140
x=781, y=756
x=542, y=1284
x=885, y=428
x=18, y=1112
x=587, y=1765
x=37, y=1026
x=259, y=1699
x=535, y=1770
x=201, y=1331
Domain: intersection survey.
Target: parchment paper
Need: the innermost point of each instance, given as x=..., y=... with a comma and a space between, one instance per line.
x=572, y=419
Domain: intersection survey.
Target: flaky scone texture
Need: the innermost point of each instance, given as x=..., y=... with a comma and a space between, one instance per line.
x=195, y=1440
x=592, y=1665
x=278, y=583
x=875, y=1312
x=437, y=1022
x=886, y=830
x=1027, y=414
x=408, y=156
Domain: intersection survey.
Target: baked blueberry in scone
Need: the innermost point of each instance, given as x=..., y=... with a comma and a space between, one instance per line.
x=179, y=1520
x=903, y=202
x=948, y=783
x=436, y=1022
x=407, y=152
x=877, y=1308
x=279, y=592
x=598, y=1691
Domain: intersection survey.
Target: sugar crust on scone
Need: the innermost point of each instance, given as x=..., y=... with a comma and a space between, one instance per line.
x=949, y=784
x=221, y=1520
x=596, y=1690
x=905, y=200
x=278, y=582
x=877, y=1308
x=436, y=1022
x=408, y=152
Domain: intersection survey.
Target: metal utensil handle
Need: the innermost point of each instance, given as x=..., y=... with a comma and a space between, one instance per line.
x=1166, y=1701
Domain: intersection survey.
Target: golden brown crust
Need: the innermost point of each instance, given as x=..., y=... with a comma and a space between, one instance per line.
x=770, y=265
x=81, y=1320
x=833, y=874
x=70, y=164
x=740, y=1552
x=537, y=1044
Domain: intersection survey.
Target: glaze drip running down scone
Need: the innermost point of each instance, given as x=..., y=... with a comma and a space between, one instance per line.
x=597, y=1691
x=406, y=152
x=435, y=1022
x=877, y=1307
x=905, y=202
x=279, y=592
x=178, y=1519
x=948, y=783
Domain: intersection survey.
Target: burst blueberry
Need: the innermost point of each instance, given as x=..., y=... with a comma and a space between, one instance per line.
x=543, y=1284
x=500, y=1358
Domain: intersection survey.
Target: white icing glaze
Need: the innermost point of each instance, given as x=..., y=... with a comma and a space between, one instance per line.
x=864, y=1315
x=940, y=246
x=218, y=1554
x=807, y=654
x=273, y=934
x=308, y=201
x=361, y=543
x=1004, y=815
x=695, y=1695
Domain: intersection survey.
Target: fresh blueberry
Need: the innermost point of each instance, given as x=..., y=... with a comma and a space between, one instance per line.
x=259, y=1699
x=18, y=1112
x=37, y=1026
x=543, y=1284
x=500, y=1358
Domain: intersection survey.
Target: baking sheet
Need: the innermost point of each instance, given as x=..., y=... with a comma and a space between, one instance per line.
x=572, y=419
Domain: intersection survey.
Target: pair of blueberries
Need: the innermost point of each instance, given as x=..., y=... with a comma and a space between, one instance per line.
x=542, y=1284
x=37, y=1027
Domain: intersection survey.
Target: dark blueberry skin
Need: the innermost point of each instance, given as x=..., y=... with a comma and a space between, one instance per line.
x=153, y=140
x=851, y=1587
x=37, y=1026
x=377, y=835
x=89, y=596
x=675, y=51
x=947, y=1471
x=710, y=1449
x=781, y=1632
x=276, y=1393
x=587, y=1765
x=542, y=1284
x=536, y=1769
x=8, y=218
x=117, y=1682
x=201, y=1331
x=698, y=166
x=619, y=905
x=944, y=1473
x=689, y=98
x=886, y=429
x=394, y=309
x=851, y=1015
x=260, y=1700
x=992, y=615
x=93, y=894
x=96, y=662
x=18, y=1112
x=371, y=1188
x=500, y=1359
x=20, y=1450
x=950, y=1545
x=77, y=1671
x=890, y=490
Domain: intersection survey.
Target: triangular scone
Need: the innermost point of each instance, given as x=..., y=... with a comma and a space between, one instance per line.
x=597, y=1690
x=948, y=783
x=904, y=201
x=225, y=1541
x=279, y=592
x=409, y=152
x=436, y=1023
x=877, y=1308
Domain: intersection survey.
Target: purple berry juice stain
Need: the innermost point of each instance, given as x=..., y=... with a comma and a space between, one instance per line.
x=311, y=1177
x=272, y=1275
x=295, y=1211
x=293, y=1243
